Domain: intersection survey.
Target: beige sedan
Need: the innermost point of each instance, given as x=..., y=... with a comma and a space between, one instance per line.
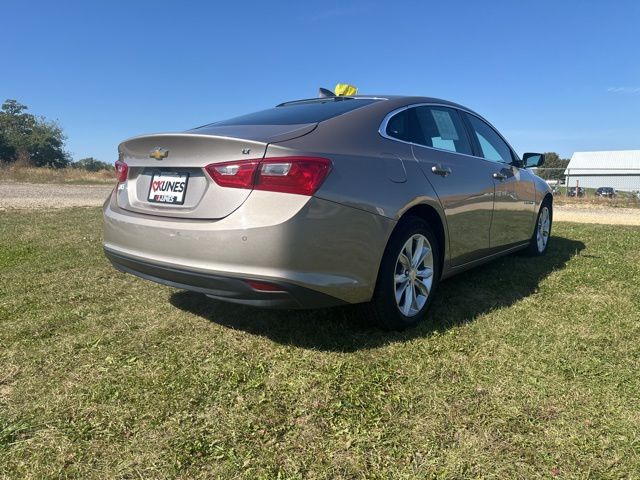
x=324, y=202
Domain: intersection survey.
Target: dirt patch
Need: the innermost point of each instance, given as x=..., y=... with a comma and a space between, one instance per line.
x=596, y=214
x=36, y=195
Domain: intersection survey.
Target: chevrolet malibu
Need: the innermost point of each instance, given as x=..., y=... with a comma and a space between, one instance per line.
x=326, y=201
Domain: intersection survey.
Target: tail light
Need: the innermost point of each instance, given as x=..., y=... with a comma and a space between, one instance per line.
x=233, y=174
x=122, y=169
x=301, y=175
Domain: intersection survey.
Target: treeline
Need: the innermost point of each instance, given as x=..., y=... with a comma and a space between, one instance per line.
x=28, y=140
x=91, y=164
x=553, y=168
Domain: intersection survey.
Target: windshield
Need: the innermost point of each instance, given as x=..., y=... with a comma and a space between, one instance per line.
x=294, y=113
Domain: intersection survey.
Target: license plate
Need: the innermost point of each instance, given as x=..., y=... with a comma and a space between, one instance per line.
x=168, y=188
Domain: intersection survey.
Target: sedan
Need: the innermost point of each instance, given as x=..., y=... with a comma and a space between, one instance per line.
x=607, y=192
x=327, y=201
x=576, y=192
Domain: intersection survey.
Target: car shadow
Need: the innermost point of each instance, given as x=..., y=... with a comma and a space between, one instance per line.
x=459, y=300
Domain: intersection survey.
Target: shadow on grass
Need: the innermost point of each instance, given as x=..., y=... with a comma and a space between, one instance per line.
x=458, y=300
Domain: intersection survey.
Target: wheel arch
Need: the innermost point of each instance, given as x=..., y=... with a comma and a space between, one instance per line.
x=434, y=219
x=383, y=307
x=547, y=199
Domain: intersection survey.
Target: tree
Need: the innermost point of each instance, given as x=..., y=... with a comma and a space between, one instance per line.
x=92, y=165
x=31, y=139
x=6, y=151
x=553, y=168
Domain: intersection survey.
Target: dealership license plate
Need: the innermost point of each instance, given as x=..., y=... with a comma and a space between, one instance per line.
x=168, y=188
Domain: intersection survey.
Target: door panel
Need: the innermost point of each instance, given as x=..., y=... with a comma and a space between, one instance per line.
x=514, y=189
x=466, y=194
x=514, y=207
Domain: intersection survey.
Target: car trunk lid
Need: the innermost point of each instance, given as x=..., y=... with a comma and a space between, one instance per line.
x=170, y=167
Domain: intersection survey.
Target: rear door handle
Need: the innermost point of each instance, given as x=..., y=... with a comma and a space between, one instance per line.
x=440, y=170
x=499, y=176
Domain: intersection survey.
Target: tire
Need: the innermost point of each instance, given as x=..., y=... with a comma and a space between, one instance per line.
x=408, y=311
x=539, y=243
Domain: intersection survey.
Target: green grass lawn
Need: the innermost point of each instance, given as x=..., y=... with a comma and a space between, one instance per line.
x=526, y=368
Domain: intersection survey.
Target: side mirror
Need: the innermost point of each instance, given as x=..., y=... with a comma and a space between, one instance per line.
x=532, y=160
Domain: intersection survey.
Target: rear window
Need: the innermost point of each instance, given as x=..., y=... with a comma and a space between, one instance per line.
x=311, y=111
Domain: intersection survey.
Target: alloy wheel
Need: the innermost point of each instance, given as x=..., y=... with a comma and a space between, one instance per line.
x=544, y=226
x=413, y=275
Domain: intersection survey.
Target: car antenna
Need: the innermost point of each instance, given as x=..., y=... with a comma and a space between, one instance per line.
x=325, y=93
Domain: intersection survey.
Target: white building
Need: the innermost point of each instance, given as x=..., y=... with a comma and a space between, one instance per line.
x=619, y=169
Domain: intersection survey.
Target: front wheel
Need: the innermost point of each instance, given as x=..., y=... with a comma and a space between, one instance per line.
x=540, y=240
x=408, y=276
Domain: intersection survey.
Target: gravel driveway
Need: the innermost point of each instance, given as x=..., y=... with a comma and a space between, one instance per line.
x=596, y=214
x=34, y=195
x=38, y=195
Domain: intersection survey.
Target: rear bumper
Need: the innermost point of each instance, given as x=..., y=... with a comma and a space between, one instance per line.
x=229, y=289
x=320, y=253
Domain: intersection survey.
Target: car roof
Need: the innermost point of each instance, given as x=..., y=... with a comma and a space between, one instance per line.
x=396, y=101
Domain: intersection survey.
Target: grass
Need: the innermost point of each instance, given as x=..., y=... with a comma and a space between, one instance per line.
x=527, y=368
x=71, y=176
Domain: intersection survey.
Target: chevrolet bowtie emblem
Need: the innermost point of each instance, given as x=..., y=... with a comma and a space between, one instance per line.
x=159, y=153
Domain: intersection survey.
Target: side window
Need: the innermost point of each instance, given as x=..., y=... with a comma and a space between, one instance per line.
x=492, y=147
x=440, y=127
x=398, y=126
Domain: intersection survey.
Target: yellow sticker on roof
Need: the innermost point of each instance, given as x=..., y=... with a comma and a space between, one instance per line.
x=345, y=90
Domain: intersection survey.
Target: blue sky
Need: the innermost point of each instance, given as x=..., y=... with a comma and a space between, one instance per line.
x=551, y=75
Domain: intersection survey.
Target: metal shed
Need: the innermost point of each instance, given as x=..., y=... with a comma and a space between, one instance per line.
x=619, y=169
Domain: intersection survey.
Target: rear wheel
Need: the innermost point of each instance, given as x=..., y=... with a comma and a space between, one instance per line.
x=540, y=239
x=408, y=276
